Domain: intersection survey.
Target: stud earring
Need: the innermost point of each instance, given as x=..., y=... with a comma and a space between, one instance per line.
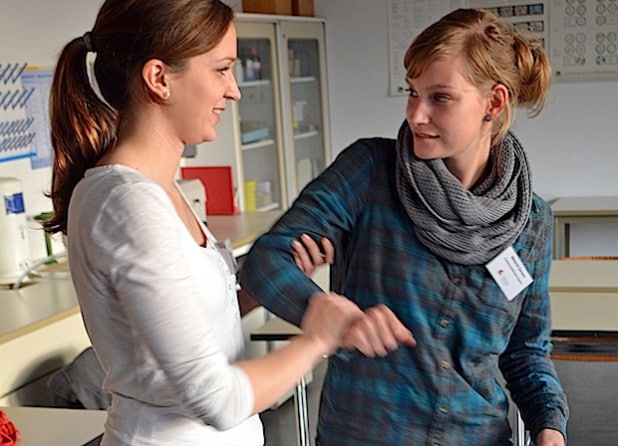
x=166, y=95
x=487, y=117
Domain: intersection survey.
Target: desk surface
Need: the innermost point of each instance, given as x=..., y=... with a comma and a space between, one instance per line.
x=585, y=206
x=44, y=302
x=241, y=229
x=34, y=306
x=43, y=426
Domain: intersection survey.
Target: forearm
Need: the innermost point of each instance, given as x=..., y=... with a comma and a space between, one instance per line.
x=270, y=275
x=273, y=375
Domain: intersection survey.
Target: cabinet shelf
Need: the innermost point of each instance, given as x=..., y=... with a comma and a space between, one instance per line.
x=260, y=83
x=305, y=135
x=302, y=79
x=268, y=207
x=258, y=144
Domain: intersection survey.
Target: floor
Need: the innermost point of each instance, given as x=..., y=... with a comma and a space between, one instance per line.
x=591, y=387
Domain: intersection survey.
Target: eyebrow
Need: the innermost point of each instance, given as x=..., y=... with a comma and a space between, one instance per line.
x=434, y=86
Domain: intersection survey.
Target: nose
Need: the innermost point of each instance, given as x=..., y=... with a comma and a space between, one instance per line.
x=416, y=111
x=233, y=92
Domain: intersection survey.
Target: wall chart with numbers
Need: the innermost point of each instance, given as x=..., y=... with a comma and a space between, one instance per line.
x=580, y=36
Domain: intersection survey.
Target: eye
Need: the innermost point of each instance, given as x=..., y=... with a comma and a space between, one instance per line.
x=440, y=98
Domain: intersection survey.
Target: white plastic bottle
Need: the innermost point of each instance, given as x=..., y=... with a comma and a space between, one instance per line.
x=15, y=252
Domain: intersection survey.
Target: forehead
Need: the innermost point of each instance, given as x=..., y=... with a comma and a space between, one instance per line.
x=444, y=71
x=226, y=48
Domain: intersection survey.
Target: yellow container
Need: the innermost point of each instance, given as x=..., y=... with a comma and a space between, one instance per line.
x=250, y=195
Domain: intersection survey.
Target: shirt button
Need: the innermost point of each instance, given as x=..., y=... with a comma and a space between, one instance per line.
x=445, y=365
x=457, y=281
x=443, y=409
x=444, y=323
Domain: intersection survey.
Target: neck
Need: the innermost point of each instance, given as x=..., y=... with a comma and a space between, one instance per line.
x=472, y=169
x=148, y=149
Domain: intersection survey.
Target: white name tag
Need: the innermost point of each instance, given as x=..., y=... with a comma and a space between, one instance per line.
x=509, y=273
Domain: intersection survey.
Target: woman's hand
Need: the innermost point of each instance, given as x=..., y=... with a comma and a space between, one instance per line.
x=309, y=256
x=328, y=318
x=549, y=437
x=378, y=332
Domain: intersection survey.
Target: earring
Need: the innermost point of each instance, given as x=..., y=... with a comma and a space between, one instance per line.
x=487, y=117
x=166, y=95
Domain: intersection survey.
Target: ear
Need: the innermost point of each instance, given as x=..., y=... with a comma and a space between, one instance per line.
x=154, y=76
x=498, y=99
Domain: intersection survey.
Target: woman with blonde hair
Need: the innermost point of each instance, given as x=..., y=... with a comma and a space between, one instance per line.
x=441, y=226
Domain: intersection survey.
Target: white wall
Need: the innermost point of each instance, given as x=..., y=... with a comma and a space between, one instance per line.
x=572, y=145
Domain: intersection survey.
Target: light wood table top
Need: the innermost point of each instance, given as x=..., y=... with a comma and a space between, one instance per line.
x=241, y=229
x=34, y=306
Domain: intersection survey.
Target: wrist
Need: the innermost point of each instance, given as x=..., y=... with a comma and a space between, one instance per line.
x=316, y=346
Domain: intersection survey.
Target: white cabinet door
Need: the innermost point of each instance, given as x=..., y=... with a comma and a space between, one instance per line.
x=276, y=138
x=305, y=102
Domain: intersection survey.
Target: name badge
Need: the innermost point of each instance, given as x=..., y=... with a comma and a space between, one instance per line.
x=509, y=273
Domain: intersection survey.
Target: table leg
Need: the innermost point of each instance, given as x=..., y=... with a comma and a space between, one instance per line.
x=302, y=412
x=561, y=238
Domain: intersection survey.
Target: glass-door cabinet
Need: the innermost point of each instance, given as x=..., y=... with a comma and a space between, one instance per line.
x=304, y=99
x=276, y=137
x=259, y=114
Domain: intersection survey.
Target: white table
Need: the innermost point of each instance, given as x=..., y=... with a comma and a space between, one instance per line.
x=44, y=426
x=571, y=210
x=277, y=329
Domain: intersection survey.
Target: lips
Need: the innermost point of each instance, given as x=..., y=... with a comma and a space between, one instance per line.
x=421, y=135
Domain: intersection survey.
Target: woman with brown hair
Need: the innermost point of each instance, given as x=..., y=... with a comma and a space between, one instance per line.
x=157, y=296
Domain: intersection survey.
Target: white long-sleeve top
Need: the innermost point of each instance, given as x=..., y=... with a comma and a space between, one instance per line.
x=162, y=315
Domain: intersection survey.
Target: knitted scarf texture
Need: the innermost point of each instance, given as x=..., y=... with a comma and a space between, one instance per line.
x=468, y=227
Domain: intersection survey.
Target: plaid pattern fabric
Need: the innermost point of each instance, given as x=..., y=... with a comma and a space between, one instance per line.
x=444, y=391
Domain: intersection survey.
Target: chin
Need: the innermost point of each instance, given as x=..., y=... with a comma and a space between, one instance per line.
x=425, y=155
x=210, y=137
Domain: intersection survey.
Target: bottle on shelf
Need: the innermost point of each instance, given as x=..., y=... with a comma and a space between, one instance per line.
x=249, y=66
x=256, y=62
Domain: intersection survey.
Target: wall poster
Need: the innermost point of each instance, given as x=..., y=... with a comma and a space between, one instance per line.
x=580, y=36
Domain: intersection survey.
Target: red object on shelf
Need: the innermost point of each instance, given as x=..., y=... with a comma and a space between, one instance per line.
x=9, y=434
x=217, y=181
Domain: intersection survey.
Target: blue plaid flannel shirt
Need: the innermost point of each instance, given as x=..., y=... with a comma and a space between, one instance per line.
x=447, y=390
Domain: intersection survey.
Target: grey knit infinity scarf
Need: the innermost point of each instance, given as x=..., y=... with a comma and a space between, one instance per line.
x=468, y=227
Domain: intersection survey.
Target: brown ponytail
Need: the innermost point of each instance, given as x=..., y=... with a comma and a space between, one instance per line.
x=83, y=127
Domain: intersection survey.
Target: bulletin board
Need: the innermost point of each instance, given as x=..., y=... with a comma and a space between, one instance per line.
x=580, y=36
